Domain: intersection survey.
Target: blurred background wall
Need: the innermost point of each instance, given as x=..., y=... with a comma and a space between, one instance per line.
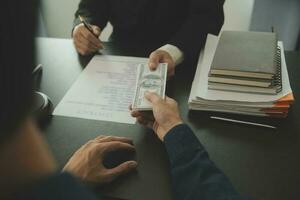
x=284, y=15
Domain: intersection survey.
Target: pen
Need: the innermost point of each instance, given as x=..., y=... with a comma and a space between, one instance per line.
x=87, y=25
x=242, y=122
x=37, y=69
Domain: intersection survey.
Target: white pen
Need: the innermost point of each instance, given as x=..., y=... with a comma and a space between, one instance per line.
x=37, y=69
x=242, y=122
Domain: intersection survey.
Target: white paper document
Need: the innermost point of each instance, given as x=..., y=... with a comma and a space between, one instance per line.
x=103, y=91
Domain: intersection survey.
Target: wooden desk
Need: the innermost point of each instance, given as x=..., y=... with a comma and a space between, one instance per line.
x=261, y=163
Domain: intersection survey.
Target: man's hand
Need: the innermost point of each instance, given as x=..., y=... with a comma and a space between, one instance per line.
x=87, y=162
x=165, y=115
x=85, y=42
x=161, y=56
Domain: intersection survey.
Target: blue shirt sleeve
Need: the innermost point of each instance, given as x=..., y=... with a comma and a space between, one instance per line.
x=194, y=175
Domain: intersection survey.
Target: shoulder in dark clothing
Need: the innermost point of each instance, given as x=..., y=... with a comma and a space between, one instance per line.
x=56, y=187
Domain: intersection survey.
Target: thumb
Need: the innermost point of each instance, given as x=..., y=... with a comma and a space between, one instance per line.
x=96, y=30
x=122, y=169
x=152, y=97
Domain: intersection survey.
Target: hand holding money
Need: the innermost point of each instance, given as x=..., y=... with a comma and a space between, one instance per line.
x=165, y=115
x=149, y=81
x=161, y=56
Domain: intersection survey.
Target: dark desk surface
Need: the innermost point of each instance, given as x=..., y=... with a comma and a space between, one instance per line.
x=261, y=163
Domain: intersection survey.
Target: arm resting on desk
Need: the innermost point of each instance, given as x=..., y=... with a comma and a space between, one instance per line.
x=194, y=175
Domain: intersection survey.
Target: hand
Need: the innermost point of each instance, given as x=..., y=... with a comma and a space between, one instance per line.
x=165, y=115
x=85, y=42
x=161, y=56
x=87, y=162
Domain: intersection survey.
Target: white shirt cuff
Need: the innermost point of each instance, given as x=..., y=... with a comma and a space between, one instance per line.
x=175, y=53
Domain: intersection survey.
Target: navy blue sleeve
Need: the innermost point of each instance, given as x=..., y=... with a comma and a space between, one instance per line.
x=57, y=187
x=194, y=175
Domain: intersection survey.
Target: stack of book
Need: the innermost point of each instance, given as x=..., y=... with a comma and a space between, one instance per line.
x=243, y=73
x=246, y=62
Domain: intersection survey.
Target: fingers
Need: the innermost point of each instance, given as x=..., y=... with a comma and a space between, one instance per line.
x=153, y=97
x=122, y=169
x=85, y=41
x=143, y=118
x=146, y=115
x=102, y=139
x=83, y=47
x=89, y=45
x=92, y=40
x=170, y=100
x=154, y=59
x=146, y=122
x=114, y=146
x=135, y=113
x=162, y=56
x=96, y=30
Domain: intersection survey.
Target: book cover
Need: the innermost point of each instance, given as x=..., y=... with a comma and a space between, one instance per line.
x=253, y=53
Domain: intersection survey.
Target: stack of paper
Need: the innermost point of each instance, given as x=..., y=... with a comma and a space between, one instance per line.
x=202, y=98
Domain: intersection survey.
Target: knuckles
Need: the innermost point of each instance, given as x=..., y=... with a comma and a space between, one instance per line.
x=118, y=145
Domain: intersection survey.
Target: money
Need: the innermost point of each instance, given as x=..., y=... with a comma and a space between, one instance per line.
x=149, y=81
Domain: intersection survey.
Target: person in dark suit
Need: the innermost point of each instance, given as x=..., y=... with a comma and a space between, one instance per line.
x=28, y=171
x=177, y=28
x=27, y=167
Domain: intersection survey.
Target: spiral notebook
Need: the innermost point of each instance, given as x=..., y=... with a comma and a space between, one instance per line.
x=204, y=99
x=246, y=62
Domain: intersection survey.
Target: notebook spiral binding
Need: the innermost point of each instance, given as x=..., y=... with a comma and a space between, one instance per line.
x=277, y=77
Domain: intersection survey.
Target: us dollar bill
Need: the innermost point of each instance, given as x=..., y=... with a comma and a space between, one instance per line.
x=149, y=81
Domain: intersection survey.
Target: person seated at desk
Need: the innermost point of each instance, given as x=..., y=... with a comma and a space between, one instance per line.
x=194, y=175
x=28, y=170
x=177, y=27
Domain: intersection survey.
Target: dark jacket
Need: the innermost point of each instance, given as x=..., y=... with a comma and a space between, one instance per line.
x=183, y=23
x=194, y=175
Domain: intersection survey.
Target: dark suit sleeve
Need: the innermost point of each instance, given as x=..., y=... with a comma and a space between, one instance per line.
x=194, y=175
x=94, y=11
x=203, y=17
